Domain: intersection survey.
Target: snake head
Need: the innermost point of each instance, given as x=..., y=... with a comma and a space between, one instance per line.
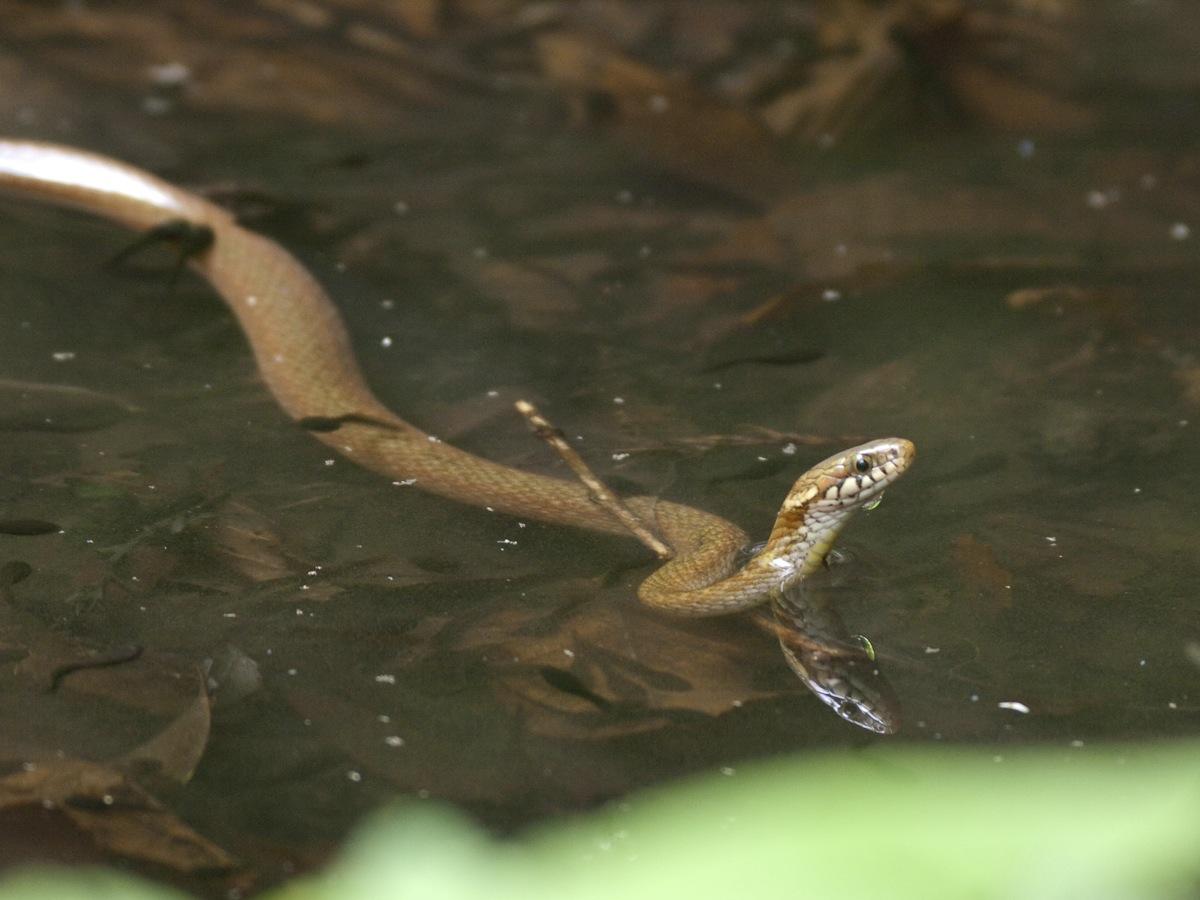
x=821, y=501
x=854, y=477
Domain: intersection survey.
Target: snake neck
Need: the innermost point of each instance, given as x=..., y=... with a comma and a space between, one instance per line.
x=796, y=549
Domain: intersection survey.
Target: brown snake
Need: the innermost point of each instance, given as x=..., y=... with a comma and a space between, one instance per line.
x=305, y=357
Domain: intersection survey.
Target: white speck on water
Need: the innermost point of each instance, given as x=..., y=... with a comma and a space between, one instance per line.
x=507, y=541
x=405, y=482
x=659, y=103
x=229, y=615
x=293, y=671
x=1137, y=490
x=1171, y=704
x=493, y=393
x=156, y=106
x=385, y=679
x=62, y=355
x=384, y=718
x=1142, y=663
x=169, y=74
x=385, y=342
x=625, y=197
x=974, y=698
x=644, y=251
x=354, y=775
x=1097, y=199
x=997, y=758
x=761, y=458
x=1026, y=148
x=433, y=439
x=829, y=295
x=1076, y=743
x=330, y=462
x=717, y=385
x=728, y=770
x=568, y=652
x=251, y=300
x=618, y=457
x=480, y=253
x=933, y=649
x=789, y=449
x=394, y=740
x=1180, y=231
x=387, y=303
x=619, y=400
x=400, y=208
x=1014, y=705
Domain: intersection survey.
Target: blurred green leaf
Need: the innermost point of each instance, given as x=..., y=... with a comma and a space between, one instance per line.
x=909, y=823
x=81, y=884
x=1113, y=822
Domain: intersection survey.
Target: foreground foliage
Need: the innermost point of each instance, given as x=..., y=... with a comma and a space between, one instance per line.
x=1109, y=822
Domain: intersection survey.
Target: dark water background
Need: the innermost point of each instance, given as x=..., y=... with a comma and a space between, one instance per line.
x=1020, y=304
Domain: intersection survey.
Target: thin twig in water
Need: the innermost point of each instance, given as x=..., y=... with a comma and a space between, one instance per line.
x=598, y=490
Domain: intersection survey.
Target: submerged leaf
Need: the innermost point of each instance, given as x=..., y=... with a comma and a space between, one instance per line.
x=116, y=812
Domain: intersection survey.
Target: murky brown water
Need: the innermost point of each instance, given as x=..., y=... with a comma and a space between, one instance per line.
x=1019, y=303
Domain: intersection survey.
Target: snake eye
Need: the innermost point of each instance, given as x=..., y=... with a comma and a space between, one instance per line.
x=862, y=464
